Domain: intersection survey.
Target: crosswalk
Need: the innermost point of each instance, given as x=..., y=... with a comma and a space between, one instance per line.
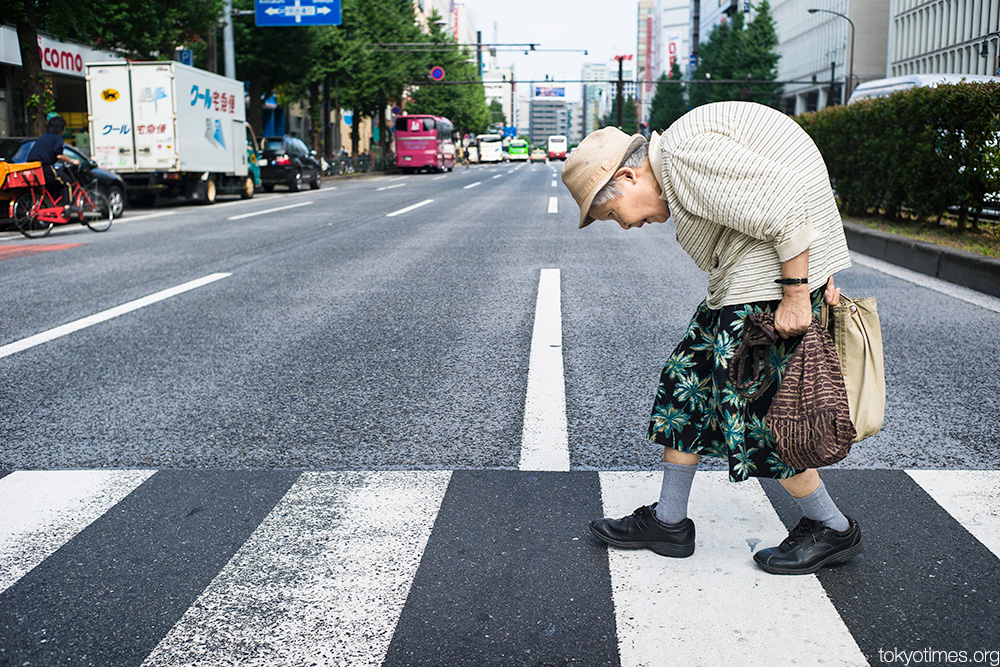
x=478, y=567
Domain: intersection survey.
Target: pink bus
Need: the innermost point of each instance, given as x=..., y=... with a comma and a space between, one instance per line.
x=424, y=142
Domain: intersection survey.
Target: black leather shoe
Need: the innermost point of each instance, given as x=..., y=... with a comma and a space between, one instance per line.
x=642, y=530
x=811, y=546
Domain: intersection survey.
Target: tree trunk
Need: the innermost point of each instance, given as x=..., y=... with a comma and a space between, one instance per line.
x=256, y=111
x=355, y=133
x=31, y=71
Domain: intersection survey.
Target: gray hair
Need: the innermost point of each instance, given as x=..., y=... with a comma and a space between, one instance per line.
x=610, y=192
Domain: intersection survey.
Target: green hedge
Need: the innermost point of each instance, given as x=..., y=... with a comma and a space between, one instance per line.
x=923, y=149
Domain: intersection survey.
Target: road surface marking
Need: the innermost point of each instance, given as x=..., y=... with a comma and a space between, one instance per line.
x=66, y=329
x=327, y=573
x=544, y=438
x=43, y=510
x=670, y=606
x=390, y=187
x=553, y=204
x=269, y=210
x=972, y=497
x=944, y=287
x=409, y=208
x=472, y=185
x=498, y=176
x=553, y=183
x=148, y=216
x=438, y=178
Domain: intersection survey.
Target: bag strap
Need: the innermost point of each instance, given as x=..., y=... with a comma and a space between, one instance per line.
x=758, y=337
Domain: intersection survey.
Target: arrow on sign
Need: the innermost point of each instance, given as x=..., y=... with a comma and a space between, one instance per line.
x=273, y=10
x=323, y=10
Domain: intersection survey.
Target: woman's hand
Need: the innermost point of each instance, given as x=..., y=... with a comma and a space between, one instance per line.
x=832, y=294
x=794, y=313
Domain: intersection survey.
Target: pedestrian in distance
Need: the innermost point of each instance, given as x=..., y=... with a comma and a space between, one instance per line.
x=751, y=201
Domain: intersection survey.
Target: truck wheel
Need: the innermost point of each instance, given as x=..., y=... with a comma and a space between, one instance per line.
x=246, y=192
x=211, y=191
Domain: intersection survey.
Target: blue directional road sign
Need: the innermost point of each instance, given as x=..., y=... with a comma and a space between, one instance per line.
x=273, y=13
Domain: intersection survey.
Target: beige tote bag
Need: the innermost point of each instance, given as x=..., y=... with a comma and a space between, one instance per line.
x=855, y=328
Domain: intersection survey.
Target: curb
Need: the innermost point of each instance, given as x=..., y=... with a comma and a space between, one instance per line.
x=955, y=266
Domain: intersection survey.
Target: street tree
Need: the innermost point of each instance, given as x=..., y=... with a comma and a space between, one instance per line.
x=668, y=103
x=630, y=124
x=738, y=51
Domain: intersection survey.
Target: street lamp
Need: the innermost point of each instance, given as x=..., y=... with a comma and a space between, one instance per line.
x=850, y=65
x=985, y=51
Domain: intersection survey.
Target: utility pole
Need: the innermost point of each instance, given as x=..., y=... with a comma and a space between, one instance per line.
x=479, y=54
x=228, y=45
x=621, y=86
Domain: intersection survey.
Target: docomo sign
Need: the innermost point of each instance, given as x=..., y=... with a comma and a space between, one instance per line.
x=63, y=58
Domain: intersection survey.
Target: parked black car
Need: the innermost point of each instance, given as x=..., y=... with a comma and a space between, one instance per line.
x=288, y=161
x=16, y=149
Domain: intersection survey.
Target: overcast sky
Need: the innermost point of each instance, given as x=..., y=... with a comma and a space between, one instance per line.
x=604, y=28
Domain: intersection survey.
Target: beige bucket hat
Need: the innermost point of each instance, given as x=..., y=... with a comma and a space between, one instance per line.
x=594, y=162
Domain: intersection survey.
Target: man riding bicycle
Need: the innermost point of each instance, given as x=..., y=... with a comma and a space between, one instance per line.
x=48, y=150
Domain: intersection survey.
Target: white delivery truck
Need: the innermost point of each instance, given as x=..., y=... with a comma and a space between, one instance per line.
x=171, y=129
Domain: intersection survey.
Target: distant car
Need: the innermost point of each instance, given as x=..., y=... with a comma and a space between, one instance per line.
x=288, y=161
x=111, y=185
x=538, y=155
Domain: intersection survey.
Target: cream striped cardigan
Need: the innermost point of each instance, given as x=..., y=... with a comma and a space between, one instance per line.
x=748, y=189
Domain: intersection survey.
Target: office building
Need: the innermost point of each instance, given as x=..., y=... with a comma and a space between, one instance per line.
x=549, y=115
x=944, y=37
x=596, y=94
x=815, y=49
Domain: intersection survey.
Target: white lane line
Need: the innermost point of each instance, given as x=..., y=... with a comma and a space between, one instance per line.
x=498, y=176
x=269, y=210
x=325, y=574
x=148, y=216
x=104, y=316
x=544, y=438
x=472, y=185
x=944, y=287
x=553, y=204
x=667, y=609
x=390, y=187
x=408, y=208
x=972, y=497
x=42, y=511
x=438, y=178
x=553, y=183
x=512, y=170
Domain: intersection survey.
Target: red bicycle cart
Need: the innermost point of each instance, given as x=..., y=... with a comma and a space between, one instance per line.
x=33, y=209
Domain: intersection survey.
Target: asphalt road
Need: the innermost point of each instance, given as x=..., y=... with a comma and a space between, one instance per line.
x=344, y=338
x=305, y=447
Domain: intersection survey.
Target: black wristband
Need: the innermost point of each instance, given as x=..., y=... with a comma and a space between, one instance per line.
x=792, y=281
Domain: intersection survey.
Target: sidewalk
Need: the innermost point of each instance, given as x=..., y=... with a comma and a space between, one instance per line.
x=955, y=266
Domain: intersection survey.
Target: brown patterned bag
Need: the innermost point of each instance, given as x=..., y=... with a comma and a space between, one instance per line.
x=809, y=417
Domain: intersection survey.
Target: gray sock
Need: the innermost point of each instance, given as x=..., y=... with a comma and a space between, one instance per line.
x=819, y=506
x=672, y=506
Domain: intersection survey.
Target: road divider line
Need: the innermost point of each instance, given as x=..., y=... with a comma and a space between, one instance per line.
x=553, y=183
x=268, y=210
x=391, y=187
x=408, y=208
x=472, y=185
x=104, y=316
x=148, y=216
x=438, y=178
x=544, y=438
x=498, y=176
x=553, y=204
x=949, y=289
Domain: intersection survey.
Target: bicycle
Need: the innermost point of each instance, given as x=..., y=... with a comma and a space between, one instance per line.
x=35, y=212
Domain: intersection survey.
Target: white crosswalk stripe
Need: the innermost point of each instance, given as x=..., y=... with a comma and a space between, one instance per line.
x=326, y=575
x=323, y=578
x=671, y=612
x=41, y=511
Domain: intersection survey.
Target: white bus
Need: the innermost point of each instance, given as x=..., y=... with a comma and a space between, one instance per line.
x=884, y=87
x=557, y=146
x=490, y=147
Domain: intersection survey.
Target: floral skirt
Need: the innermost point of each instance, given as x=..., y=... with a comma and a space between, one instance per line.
x=698, y=410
